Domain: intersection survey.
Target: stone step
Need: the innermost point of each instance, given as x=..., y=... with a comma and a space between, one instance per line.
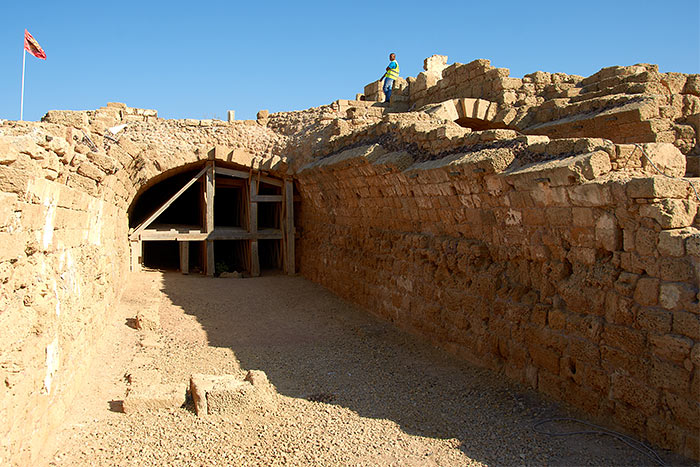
x=157, y=396
x=219, y=394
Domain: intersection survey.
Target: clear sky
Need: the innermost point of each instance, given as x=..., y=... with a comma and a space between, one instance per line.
x=198, y=59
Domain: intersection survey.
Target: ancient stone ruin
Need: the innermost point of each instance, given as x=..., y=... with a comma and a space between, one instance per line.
x=544, y=227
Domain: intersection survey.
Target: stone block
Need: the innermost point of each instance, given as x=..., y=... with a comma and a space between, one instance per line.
x=8, y=153
x=13, y=245
x=665, y=157
x=667, y=375
x=219, y=394
x=654, y=319
x=435, y=64
x=692, y=244
x=73, y=118
x=670, y=347
x=634, y=393
x=675, y=269
x=657, y=187
x=373, y=88
x=685, y=410
x=154, y=397
x=561, y=172
x=669, y=295
x=445, y=111
x=627, y=339
x=672, y=242
x=662, y=433
x=590, y=194
x=671, y=213
x=91, y=171
x=647, y=291
x=687, y=324
x=231, y=115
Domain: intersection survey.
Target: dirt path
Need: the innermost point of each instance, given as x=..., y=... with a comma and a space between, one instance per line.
x=352, y=390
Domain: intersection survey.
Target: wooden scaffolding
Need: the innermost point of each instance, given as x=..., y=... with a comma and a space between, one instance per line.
x=250, y=181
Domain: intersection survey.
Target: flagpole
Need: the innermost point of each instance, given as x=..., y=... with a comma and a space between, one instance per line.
x=21, y=104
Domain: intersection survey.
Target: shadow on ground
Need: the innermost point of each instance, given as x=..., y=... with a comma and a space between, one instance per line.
x=315, y=346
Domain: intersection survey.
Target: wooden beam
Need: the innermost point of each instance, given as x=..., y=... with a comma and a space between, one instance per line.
x=267, y=199
x=242, y=174
x=254, y=259
x=136, y=250
x=231, y=172
x=271, y=181
x=185, y=257
x=209, y=247
x=289, y=226
x=167, y=204
x=264, y=234
x=209, y=198
x=253, y=229
x=221, y=233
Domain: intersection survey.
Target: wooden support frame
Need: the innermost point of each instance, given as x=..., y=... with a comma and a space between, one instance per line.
x=221, y=233
x=246, y=175
x=253, y=229
x=185, y=257
x=209, y=217
x=289, y=234
x=166, y=205
x=135, y=251
x=208, y=233
x=268, y=199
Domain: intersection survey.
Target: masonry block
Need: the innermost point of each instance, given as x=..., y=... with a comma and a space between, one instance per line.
x=218, y=394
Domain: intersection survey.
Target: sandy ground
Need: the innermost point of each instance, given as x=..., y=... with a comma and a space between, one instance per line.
x=352, y=390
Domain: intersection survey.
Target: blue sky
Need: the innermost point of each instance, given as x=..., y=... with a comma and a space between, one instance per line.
x=199, y=59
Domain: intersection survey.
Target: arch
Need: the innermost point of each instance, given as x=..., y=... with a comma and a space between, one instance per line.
x=247, y=211
x=476, y=114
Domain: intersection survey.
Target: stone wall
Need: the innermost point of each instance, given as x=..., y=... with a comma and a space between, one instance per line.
x=65, y=189
x=548, y=265
x=622, y=103
x=485, y=220
x=61, y=261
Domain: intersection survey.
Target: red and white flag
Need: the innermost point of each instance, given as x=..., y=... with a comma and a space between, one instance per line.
x=32, y=46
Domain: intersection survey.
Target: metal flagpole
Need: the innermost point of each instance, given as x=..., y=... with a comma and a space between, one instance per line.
x=21, y=104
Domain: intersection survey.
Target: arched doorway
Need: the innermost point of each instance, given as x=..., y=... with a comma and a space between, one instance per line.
x=212, y=217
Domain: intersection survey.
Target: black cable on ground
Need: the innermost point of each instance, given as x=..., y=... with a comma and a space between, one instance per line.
x=599, y=430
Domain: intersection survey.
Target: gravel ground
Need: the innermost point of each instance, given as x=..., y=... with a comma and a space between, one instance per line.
x=352, y=390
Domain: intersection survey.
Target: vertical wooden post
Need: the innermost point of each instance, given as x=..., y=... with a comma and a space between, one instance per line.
x=136, y=250
x=209, y=216
x=289, y=225
x=253, y=223
x=185, y=257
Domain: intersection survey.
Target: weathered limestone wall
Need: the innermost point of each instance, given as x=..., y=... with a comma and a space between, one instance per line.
x=65, y=190
x=548, y=265
x=61, y=261
x=569, y=264
x=622, y=103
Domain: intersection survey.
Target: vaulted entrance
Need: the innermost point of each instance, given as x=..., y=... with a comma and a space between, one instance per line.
x=214, y=217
